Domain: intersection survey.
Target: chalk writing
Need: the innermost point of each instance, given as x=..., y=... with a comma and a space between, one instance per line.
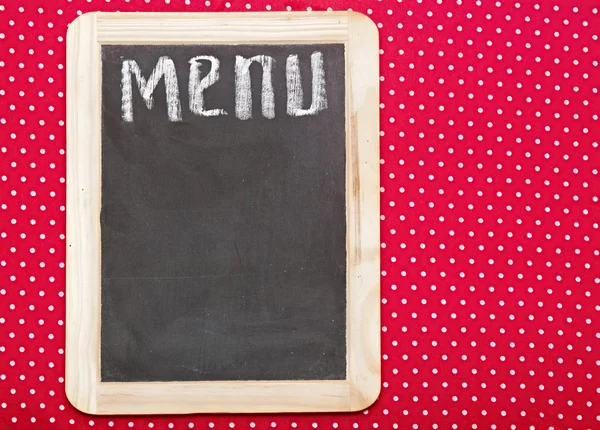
x=243, y=88
x=165, y=68
x=197, y=85
x=295, y=97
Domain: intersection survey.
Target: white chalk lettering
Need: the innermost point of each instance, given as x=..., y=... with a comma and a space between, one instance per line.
x=164, y=67
x=243, y=86
x=295, y=96
x=197, y=85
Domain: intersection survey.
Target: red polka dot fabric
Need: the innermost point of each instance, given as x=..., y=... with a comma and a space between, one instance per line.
x=489, y=216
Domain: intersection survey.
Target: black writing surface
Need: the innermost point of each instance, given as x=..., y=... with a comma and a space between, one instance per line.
x=223, y=220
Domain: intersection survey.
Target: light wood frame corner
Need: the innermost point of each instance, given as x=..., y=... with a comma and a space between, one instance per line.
x=85, y=37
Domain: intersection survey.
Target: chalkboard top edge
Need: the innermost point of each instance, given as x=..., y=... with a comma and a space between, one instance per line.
x=222, y=27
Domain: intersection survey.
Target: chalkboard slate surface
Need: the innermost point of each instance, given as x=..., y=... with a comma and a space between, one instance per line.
x=223, y=239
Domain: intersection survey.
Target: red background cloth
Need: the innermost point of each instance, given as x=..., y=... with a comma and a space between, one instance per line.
x=489, y=231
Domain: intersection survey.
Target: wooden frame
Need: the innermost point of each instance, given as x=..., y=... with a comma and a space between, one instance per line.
x=84, y=39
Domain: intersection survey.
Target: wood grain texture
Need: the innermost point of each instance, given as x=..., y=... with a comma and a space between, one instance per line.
x=83, y=386
x=362, y=176
x=228, y=397
x=219, y=28
x=83, y=214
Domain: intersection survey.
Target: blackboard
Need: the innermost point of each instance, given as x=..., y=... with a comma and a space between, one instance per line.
x=222, y=213
x=223, y=239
